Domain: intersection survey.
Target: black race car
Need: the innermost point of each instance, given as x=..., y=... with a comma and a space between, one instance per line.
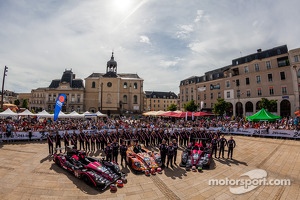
x=95, y=172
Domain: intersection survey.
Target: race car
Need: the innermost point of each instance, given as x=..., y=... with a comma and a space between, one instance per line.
x=94, y=172
x=196, y=157
x=143, y=160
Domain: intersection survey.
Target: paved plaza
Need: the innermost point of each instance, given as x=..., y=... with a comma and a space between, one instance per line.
x=27, y=172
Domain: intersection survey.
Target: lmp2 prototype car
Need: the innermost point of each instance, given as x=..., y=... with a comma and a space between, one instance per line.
x=95, y=172
x=196, y=158
x=143, y=161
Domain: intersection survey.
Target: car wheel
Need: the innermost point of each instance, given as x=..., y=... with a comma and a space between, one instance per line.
x=57, y=162
x=86, y=180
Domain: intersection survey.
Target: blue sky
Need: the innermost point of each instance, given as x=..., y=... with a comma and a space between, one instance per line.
x=163, y=42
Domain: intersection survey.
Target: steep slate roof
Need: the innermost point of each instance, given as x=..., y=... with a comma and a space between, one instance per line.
x=122, y=75
x=67, y=77
x=161, y=95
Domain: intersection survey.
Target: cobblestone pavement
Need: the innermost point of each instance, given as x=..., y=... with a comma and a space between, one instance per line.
x=27, y=172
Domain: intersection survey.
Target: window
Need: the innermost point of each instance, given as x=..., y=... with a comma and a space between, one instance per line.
x=73, y=98
x=135, y=86
x=228, y=94
x=93, y=84
x=125, y=85
x=219, y=94
x=268, y=64
x=259, y=91
x=135, y=99
x=282, y=75
x=238, y=93
x=204, y=96
x=270, y=77
x=258, y=79
x=125, y=99
x=283, y=90
x=228, y=84
x=246, y=69
x=256, y=66
x=296, y=58
x=248, y=93
x=247, y=81
x=271, y=90
x=78, y=98
x=211, y=95
x=237, y=82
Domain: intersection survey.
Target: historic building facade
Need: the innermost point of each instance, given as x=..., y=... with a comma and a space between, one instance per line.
x=113, y=93
x=45, y=98
x=155, y=101
x=272, y=74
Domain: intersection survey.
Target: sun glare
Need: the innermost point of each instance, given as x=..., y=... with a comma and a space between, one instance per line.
x=123, y=5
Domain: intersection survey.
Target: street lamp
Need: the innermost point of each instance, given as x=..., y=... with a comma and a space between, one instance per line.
x=4, y=74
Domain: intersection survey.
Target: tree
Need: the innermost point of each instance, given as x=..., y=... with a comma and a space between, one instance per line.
x=190, y=106
x=221, y=106
x=270, y=105
x=25, y=103
x=17, y=102
x=172, y=107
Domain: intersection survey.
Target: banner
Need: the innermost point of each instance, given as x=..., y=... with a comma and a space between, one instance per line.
x=58, y=105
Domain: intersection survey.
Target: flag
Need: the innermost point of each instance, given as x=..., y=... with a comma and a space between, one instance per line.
x=58, y=105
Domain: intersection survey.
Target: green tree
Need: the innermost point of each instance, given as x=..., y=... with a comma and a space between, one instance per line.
x=221, y=106
x=190, y=106
x=25, y=103
x=172, y=107
x=270, y=105
x=17, y=102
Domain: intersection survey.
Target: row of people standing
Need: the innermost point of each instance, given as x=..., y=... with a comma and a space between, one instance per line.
x=148, y=137
x=222, y=143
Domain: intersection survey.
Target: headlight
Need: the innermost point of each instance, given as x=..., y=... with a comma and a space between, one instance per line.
x=137, y=164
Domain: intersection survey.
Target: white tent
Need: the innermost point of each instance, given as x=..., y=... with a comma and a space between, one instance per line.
x=26, y=113
x=75, y=114
x=44, y=113
x=8, y=113
x=99, y=114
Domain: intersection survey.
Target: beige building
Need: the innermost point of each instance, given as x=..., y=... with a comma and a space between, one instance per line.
x=45, y=98
x=264, y=74
x=155, y=101
x=113, y=93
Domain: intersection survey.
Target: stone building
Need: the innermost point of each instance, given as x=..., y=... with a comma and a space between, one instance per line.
x=155, y=101
x=44, y=98
x=272, y=74
x=112, y=92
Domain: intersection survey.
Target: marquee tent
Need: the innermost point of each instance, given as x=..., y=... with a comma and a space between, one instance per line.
x=8, y=113
x=26, y=113
x=263, y=115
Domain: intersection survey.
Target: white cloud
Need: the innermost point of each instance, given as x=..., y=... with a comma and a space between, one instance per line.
x=144, y=39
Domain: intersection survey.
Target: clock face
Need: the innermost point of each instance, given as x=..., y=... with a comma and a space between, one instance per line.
x=109, y=84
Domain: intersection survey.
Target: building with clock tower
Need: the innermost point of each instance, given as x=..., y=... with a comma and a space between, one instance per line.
x=113, y=93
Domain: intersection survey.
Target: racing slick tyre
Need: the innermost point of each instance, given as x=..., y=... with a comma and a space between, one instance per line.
x=58, y=162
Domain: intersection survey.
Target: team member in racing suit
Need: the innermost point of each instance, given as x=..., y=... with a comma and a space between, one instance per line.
x=123, y=149
x=81, y=140
x=57, y=142
x=50, y=139
x=137, y=147
x=175, y=146
x=115, y=150
x=170, y=153
x=231, y=145
x=108, y=152
x=66, y=140
x=222, y=144
x=214, y=146
x=163, y=152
